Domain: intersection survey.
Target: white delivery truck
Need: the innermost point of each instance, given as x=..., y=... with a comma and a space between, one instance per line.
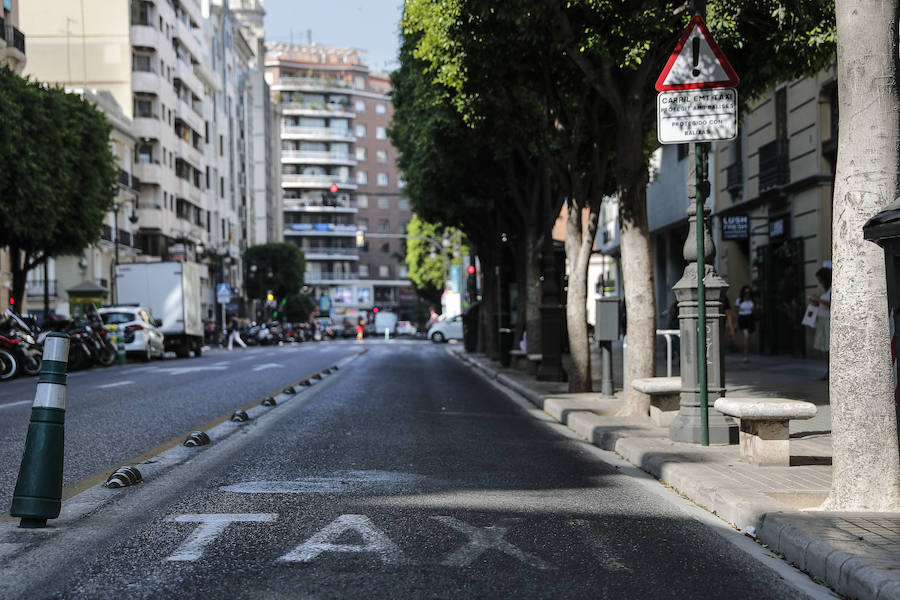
x=171, y=290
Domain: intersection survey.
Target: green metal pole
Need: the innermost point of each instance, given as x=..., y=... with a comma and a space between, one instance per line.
x=700, y=183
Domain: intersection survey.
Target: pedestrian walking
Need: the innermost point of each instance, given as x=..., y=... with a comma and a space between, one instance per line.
x=745, y=318
x=822, y=338
x=359, y=329
x=235, y=334
x=433, y=317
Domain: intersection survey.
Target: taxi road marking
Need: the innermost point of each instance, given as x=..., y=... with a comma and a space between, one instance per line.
x=482, y=539
x=209, y=528
x=323, y=541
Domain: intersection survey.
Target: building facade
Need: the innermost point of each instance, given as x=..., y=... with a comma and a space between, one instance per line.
x=12, y=54
x=339, y=177
x=188, y=76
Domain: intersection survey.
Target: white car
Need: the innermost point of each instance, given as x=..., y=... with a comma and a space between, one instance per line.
x=447, y=329
x=142, y=335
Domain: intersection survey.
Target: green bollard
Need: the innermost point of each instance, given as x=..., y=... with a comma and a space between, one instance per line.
x=38, y=493
x=120, y=345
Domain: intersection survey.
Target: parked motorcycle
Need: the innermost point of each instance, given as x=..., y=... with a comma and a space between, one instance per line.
x=17, y=338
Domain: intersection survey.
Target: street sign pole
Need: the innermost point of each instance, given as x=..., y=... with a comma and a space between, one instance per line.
x=700, y=151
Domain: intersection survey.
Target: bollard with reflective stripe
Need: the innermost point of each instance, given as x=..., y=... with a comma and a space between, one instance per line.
x=38, y=493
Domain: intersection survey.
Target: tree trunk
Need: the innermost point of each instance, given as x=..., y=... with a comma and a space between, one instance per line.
x=18, y=261
x=863, y=413
x=637, y=275
x=578, y=252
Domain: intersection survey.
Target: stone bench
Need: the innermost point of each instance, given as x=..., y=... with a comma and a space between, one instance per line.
x=519, y=360
x=765, y=426
x=665, y=397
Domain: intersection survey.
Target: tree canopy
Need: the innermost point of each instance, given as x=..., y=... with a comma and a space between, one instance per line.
x=59, y=174
x=277, y=267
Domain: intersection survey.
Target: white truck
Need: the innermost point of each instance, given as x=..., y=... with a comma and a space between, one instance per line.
x=171, y=290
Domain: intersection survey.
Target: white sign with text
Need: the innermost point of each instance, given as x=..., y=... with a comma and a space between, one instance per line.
x=696, y=115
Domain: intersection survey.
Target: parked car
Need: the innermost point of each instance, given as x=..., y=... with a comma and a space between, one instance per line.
x=143, y=337
x=446, y=329
x=405, y=328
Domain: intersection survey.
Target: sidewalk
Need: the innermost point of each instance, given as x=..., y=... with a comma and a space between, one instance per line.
x=857, y=554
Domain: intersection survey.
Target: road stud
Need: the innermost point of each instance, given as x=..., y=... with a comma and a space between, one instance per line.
x=197, y=438
x=38, y=493
x=269, y=401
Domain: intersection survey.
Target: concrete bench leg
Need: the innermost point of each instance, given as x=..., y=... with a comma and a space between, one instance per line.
x=664, y=408
x=766, y=443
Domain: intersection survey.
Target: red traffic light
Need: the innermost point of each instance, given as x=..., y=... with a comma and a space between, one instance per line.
x=470, y=269
x=12, y=300
x=375, y=310
x=333, y=189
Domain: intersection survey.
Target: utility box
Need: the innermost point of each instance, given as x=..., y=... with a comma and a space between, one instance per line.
x=607, y=327
x=884, y=230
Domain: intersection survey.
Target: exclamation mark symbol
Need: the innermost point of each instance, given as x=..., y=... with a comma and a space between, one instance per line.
x=695, y=46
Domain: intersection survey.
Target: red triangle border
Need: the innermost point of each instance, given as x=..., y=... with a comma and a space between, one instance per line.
x=733, y=79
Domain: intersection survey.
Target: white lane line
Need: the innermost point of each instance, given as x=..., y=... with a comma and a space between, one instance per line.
x=116, y=384
x=19, y=403
x=268, y=366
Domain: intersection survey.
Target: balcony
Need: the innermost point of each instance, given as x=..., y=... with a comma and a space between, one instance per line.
x=311, y=157
x=327, y=277
x=309, y=83
x=15, y=46
x=296, y=180
x=318, y=109
x=325, y=134
x=145, y=36
x=187, y=190
x=124, y=238
x=187, y=152
x=105, y=232
x=188, y=37
x=328, y=253
x=734, y=178
x=150, y=173
x=2, y=30
x=320, y=229
x=124, y=178
x=774, y=165
x=135, y=183
x=185, y=73
x=341, y=206
x=35, y=288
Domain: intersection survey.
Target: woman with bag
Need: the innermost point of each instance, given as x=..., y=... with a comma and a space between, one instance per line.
x=822, y=339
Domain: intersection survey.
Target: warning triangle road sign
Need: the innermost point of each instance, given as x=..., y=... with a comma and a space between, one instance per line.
x=696, y=63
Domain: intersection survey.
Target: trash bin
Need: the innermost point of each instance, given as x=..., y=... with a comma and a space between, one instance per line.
x=470, y=327
x=884, y=230
x=506, y=345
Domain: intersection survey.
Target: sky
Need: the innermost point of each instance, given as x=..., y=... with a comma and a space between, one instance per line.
x=369, y=25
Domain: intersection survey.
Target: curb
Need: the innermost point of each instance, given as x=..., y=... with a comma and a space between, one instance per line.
x=848, y=572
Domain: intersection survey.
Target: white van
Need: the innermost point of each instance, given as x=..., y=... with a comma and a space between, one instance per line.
x=385, y=320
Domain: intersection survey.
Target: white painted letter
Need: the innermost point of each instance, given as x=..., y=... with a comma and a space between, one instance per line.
x=485, y=538
x=211, y=526
x=323, y=541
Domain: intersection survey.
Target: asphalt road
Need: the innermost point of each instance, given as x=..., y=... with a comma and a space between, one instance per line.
x=404, y=475
x=120, y=412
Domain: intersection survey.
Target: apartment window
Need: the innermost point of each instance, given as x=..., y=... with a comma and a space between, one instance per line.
x=362, y=223
x=386, y=248
x=143, y=108
x=385, y=271
x=363, y=270
x=360, y=131
x=403, y=226
x=360, y=153
x=380, y=108
x=380, y=133
x=222, y=150
x=362, y=178
x=360, y=106
x=362, y=201
x=142, y=62
x=222, y=190
x=384, y=225
x=382, y=179
x=402, y=272
x=402, y=203
x=359, y=82
x=384, y=202
x=381, y=156
x=145, y=154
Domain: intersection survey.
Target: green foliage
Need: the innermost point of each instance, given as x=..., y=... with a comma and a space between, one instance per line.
x=298, y=307
x=59, y=174
x=426, y=272
x=278, y=267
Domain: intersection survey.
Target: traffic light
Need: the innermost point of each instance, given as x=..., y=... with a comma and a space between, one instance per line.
x=375, y=310
x=471, y=284
x=329, y=198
